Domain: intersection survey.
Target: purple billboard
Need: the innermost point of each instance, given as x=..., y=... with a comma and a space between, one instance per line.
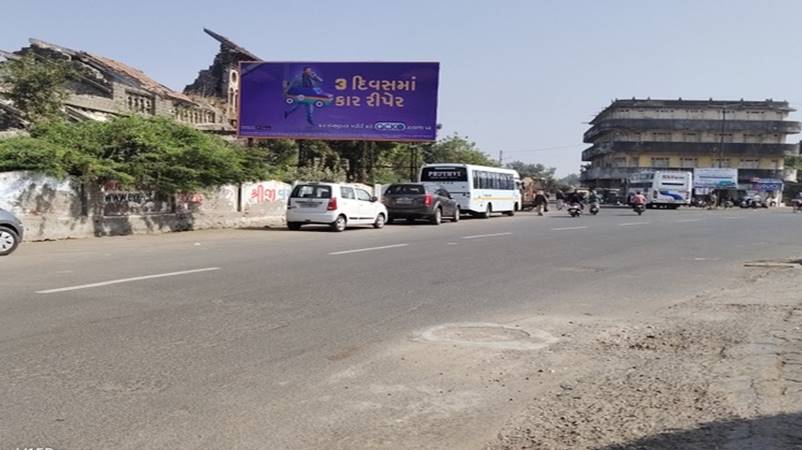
x=388, y=101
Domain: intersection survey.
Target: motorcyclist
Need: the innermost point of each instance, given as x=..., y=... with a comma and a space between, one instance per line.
x=573, y=197
x=593, y=197
x=638, y=199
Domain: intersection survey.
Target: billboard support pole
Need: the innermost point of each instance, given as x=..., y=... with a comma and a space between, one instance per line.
x=301, y=153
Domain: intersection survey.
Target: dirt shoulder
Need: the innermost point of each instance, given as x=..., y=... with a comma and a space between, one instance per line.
x=723, y=370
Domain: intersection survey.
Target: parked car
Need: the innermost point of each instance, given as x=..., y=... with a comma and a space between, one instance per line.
x=333, y=204
x=413, y=201
x=10, y=232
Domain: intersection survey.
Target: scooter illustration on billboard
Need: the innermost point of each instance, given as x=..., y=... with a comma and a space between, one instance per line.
x=304, y=90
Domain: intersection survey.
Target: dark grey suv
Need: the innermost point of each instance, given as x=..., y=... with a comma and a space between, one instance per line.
x=10, y=232
x=420, y=201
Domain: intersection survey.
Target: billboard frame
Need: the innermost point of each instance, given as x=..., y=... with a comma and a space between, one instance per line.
x=304, y=138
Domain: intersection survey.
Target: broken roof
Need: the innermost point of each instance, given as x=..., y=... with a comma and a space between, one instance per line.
x=226, y=42
x=120, y=70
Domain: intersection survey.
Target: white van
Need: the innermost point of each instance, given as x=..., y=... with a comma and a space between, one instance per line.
x=333, y=204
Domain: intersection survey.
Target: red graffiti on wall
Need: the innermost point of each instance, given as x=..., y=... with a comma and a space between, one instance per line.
x=261, y=194
x=190, y=197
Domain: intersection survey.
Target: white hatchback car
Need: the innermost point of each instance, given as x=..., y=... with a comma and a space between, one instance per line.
x=333, y=204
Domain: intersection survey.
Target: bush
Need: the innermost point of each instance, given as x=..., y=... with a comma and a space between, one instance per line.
x=154, y=154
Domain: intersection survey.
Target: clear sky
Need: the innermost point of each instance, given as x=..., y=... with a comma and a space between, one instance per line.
x=519, y=76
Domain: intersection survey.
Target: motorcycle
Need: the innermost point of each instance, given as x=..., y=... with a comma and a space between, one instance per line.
x=639, y=208
x=574, y=210
x=594, y=208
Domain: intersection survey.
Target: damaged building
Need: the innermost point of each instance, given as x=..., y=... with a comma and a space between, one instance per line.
x=103, y=88
x=219, y=84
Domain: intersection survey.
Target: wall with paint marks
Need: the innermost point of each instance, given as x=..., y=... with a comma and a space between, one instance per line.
x=58, y=209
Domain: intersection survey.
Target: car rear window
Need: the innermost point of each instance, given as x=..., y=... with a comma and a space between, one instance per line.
x=311, y=191
x=405, y=189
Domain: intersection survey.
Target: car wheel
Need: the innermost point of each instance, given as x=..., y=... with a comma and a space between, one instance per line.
x=456, y=215
x=379, y=223
x=295, y=226
x=437, y=218
x=340, y=224
x=9, y=240
x=488, y=212
x=512, y=213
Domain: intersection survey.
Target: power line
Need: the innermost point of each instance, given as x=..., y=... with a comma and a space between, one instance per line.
x=544, y=149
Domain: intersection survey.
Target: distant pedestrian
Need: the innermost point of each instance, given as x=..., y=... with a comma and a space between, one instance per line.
x=541, y=203
x=713, y=203
x=560, y=196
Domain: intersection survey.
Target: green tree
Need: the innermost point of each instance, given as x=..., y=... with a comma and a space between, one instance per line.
x=36, y=86
x=456, y=149
x=532, y=170
x=155, y=154
x=571, y=180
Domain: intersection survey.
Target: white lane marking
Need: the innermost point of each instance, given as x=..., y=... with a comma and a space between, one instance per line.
x=368, y=249
x=629, y=224
x=733, y=217
x=478, y=236
x=568, y=228
x=689, y=220
x=127, y=280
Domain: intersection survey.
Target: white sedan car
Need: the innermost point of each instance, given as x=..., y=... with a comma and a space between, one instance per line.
x=333, y=204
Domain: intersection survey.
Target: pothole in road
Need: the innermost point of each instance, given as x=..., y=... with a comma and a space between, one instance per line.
x=489, y=335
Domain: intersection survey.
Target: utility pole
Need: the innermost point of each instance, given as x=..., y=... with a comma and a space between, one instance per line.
x=501, y=157
x=721, y=144
x=413, y=161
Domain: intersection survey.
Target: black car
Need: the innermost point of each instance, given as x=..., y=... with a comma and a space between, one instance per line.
x=413, y=201
x=10, y=232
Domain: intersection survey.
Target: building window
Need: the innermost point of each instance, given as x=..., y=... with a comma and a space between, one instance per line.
x=749, y=164
x=723, y=163
x=688, y=163
x=775, y=164
x=724, y=137
x=660, y=162
x=661, y=137
x=139, y=103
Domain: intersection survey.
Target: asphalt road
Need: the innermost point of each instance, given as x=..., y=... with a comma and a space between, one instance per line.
x=227, y=339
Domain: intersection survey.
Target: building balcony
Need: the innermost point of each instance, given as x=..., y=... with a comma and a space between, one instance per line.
x=610, y=173
x=690, y=149
x=621, y=173
x=692, y=126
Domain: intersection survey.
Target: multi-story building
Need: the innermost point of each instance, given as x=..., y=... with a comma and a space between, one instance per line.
x=634, y=135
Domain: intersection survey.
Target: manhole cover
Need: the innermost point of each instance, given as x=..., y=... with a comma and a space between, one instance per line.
x=489, y=335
